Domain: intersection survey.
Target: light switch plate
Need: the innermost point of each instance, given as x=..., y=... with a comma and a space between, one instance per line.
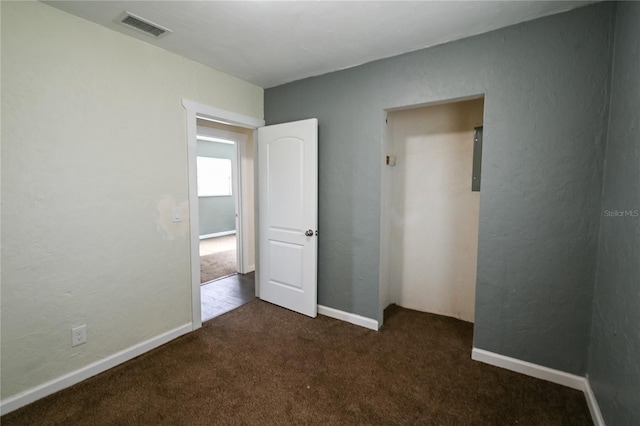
x=177, y=215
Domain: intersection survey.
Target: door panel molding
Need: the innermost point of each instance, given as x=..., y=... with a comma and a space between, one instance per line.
x=288, y=204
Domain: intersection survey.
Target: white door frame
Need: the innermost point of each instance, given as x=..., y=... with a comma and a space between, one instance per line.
x=195, y=110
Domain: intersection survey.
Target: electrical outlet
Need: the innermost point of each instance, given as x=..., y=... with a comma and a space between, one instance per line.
x=79, y=335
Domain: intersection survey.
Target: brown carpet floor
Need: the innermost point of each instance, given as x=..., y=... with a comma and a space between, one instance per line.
x=261, y=364
x=218, y=265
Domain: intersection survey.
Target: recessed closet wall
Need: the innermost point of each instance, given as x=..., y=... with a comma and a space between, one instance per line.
x=433, y=211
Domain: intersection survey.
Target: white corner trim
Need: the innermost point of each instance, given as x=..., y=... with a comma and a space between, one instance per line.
x=30, y=395
x=250, y=268
x=217, y=234
x=348, y=317
x=592, y=402
x=540, y=372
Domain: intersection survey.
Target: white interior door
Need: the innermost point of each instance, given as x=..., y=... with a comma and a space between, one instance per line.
x=288, y=215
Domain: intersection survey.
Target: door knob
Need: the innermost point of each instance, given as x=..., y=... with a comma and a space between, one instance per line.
x=309, y=233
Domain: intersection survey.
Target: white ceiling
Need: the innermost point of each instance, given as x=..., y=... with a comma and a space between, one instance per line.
x=271, y=43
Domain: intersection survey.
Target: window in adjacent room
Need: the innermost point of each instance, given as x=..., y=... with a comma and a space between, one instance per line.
x=214, y=177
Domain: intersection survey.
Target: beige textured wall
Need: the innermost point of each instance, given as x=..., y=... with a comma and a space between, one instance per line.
x=94, y=157
x=434, y=229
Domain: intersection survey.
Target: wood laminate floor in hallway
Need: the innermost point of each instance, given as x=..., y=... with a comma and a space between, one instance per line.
x=225, y=294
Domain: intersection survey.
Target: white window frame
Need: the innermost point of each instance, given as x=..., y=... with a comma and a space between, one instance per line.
x=214, y=177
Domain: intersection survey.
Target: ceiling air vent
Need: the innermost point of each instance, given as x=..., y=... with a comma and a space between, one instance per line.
x=147, y=27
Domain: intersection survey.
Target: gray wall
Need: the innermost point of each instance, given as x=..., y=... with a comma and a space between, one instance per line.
x=217, y=214
x=545, y=84
x=614, y=357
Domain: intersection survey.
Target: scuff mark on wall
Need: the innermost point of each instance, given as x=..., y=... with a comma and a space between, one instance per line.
x=167, y=227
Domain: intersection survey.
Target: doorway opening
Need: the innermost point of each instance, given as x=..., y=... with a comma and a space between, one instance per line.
x=217, y=171
x=218, y=163
x=430, y=208
x=211, y=124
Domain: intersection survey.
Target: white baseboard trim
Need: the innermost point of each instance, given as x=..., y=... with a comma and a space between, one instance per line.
x=592, y=402
x=540, y=372
x=348, y=317
x=217, y=234
x=529, y=369
x=27, y=397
